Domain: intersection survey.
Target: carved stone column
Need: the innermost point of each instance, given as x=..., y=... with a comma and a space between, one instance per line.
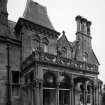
x=85, y=93
x=41, y=93
x=93, y=94
x=57, y=93
x=72, y=91
x=37, y=93
x=70, y=102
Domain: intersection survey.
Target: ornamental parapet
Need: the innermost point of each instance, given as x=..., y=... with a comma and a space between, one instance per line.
x=47, y=58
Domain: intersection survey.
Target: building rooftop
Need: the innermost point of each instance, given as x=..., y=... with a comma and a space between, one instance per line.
x=37, y=13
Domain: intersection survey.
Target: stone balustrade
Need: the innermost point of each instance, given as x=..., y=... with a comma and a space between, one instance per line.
x=61, y=61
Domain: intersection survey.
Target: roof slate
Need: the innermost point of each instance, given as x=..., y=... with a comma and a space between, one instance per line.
x=38, y=14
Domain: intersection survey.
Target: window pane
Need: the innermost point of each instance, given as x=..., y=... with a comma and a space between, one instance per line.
x=64, y=97
x=49, y=97
x=15, y=76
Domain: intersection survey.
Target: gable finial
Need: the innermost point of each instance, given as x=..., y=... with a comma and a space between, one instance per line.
x=63, y=32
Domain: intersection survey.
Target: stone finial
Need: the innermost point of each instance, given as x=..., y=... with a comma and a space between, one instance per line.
x=63, y=32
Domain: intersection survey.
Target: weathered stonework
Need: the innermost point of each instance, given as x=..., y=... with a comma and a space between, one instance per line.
x=37, y=67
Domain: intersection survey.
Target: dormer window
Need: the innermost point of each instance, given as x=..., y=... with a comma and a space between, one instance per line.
x=45, y=43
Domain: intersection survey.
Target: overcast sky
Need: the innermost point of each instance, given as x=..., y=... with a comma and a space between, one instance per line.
x=62, y=14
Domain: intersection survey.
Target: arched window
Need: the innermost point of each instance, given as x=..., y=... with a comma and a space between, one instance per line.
x=45, y=43
x=49, y=91
x=49, y=80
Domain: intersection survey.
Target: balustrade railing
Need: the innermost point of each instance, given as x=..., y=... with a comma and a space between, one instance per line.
x=55, y=59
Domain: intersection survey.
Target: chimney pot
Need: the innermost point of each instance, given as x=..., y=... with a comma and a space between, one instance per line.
x=84, y=25
x=78, y=18
x=88, y=27
x=89, y=23
x=83, y=20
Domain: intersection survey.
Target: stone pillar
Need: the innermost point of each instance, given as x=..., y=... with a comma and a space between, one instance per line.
x=93, y=95
x=34, y=95
x=78, y=19
x=72, y=91
x=57, y=93
x=70, y=103
x=88, y=27
x=37, y=93
x=84, y=96
x=85, y=93
x=71, y=83
x=41, y=93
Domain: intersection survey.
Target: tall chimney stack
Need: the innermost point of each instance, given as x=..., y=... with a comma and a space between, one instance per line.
x=78, y=19
x=84, y=26
x=88, y=27
x=3, y=12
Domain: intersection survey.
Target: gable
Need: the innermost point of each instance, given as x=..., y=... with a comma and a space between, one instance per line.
x=63, y=43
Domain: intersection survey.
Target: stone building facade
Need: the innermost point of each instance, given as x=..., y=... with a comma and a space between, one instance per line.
x=38, y=66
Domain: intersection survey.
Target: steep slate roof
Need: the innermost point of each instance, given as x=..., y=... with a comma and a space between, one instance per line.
x=37, y=13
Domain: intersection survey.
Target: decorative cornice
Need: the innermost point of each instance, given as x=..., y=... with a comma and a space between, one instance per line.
x=32, y=26
x=77, y=33
x=49, y=59
x=6, y=40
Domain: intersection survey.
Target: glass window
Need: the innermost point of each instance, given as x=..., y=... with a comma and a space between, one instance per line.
x=64, y=97
x=15, y=83
x=15, y=77
x=49, y=97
